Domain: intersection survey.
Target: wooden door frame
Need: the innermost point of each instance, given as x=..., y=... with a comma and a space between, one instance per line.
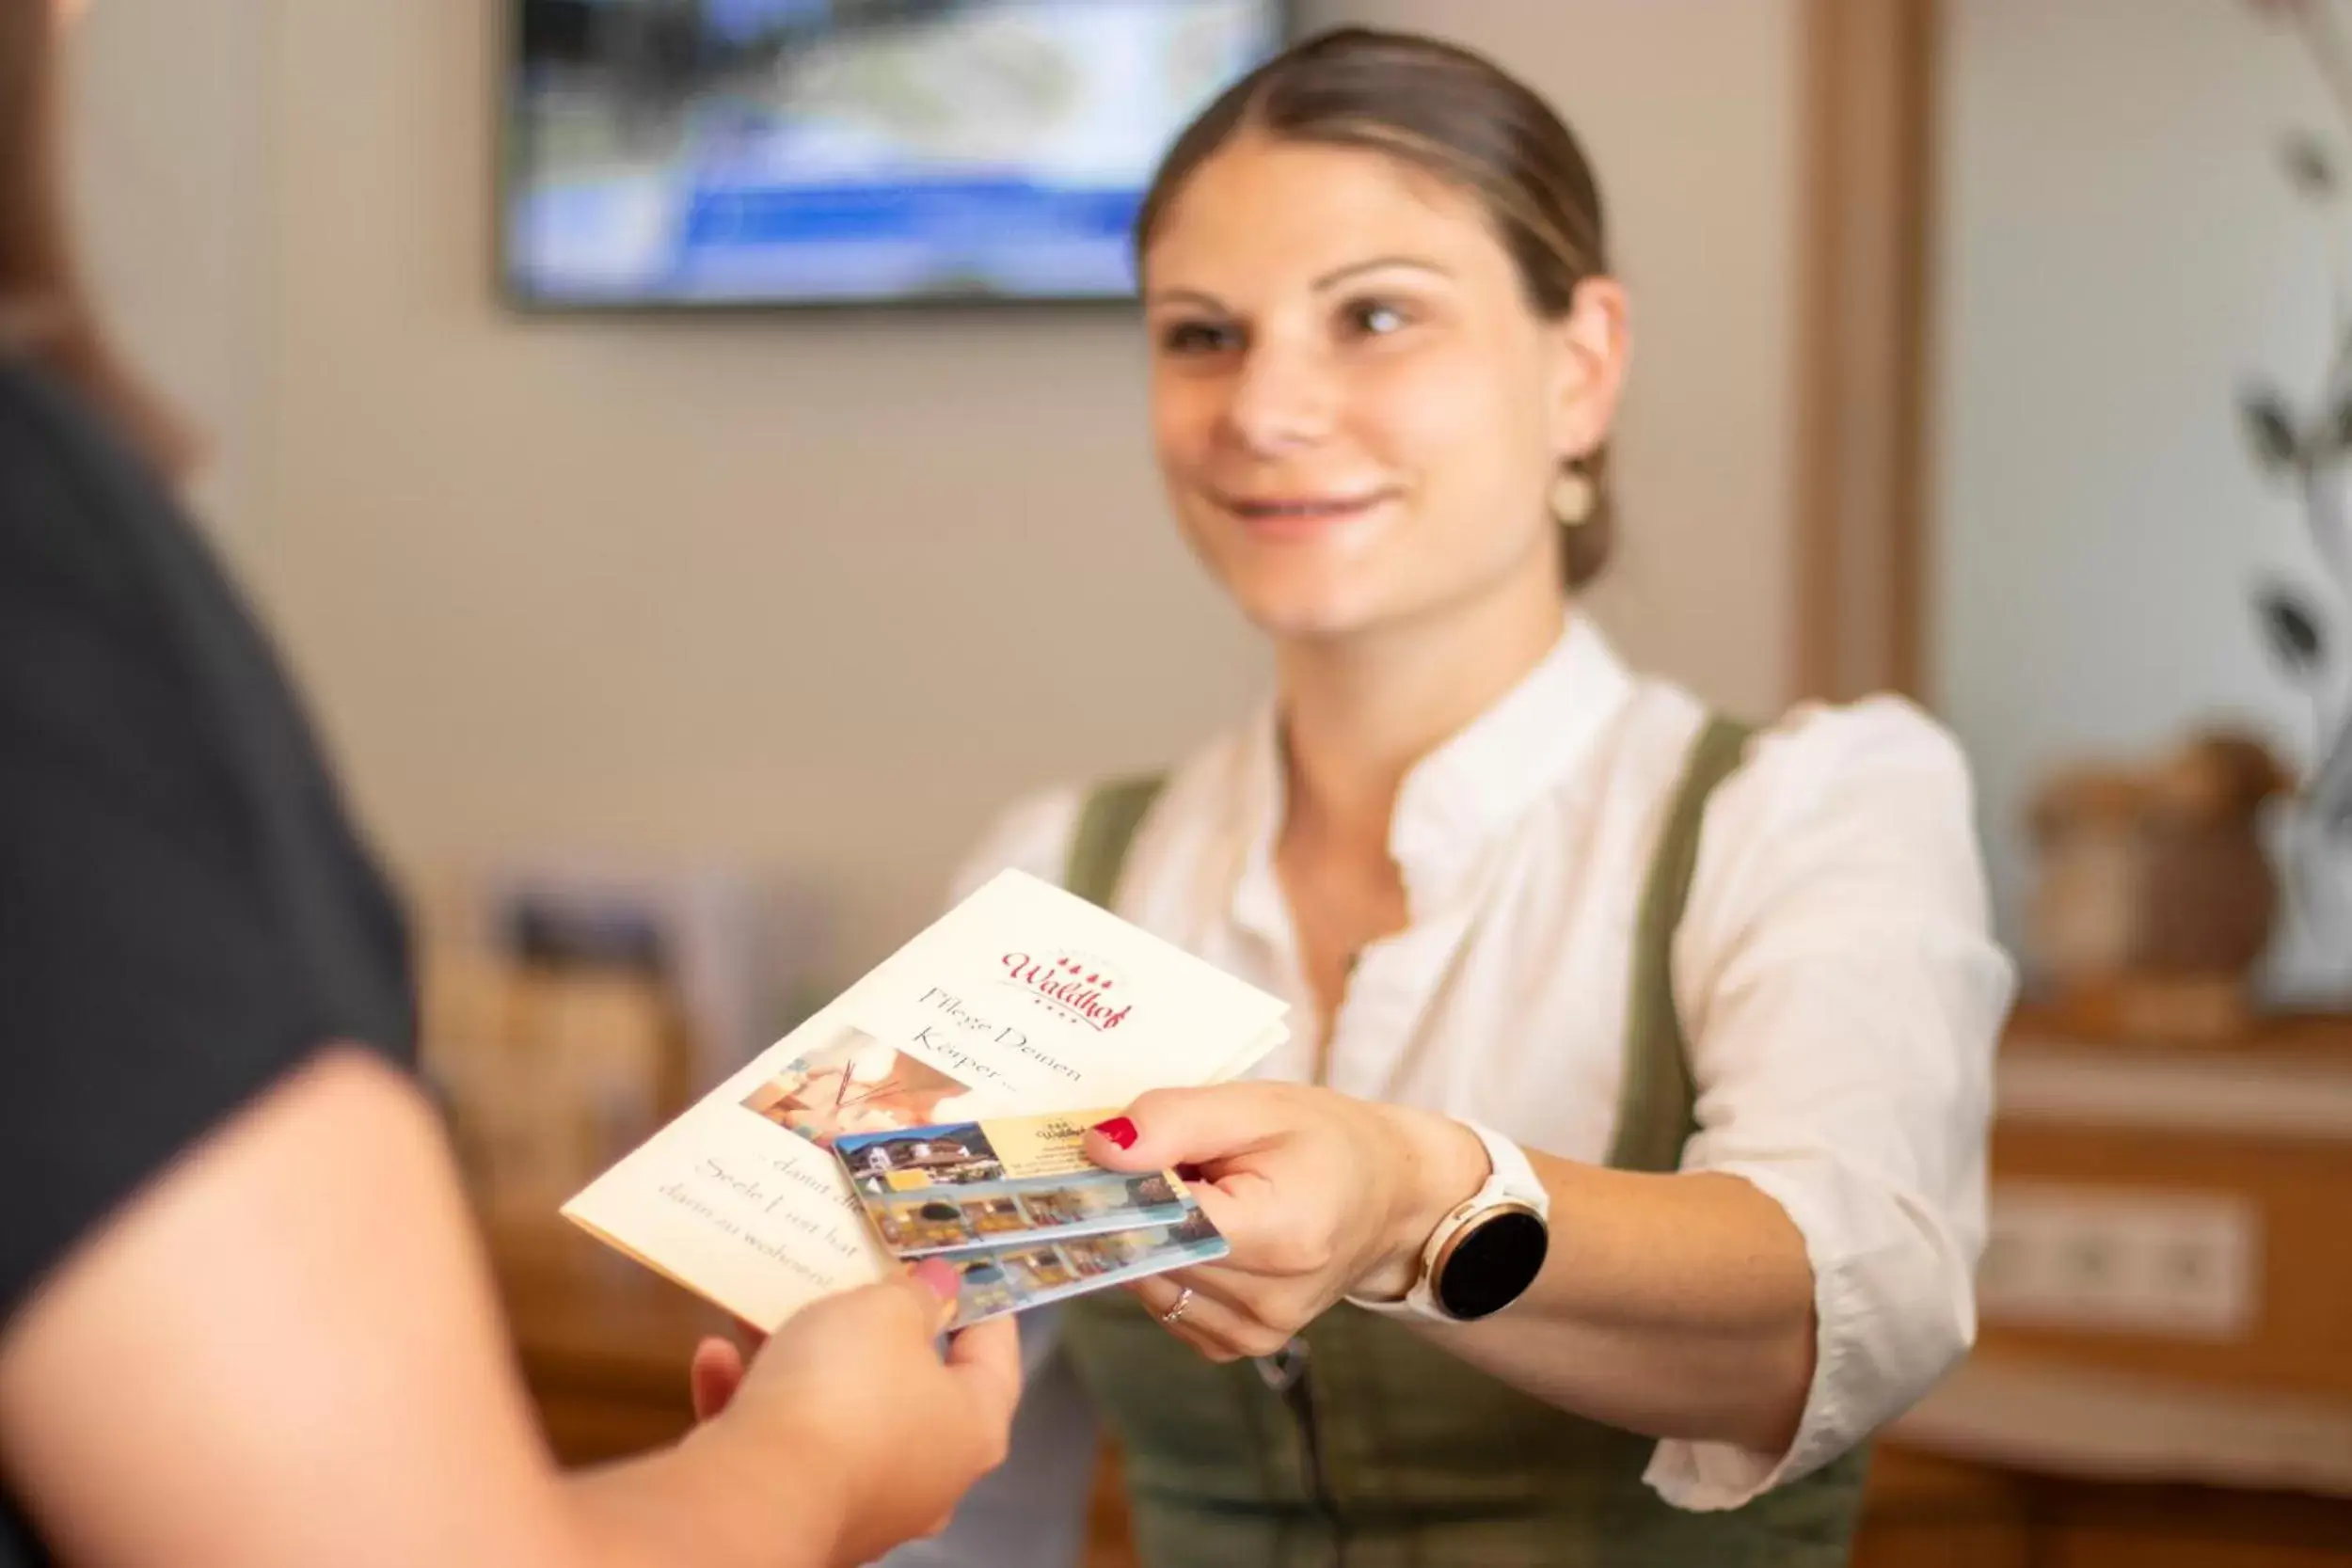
x=1867, y=206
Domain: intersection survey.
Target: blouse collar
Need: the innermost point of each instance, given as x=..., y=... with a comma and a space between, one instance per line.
x=1459, y=800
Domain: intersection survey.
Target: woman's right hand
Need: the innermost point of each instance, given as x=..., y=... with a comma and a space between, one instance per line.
x=854, y=1397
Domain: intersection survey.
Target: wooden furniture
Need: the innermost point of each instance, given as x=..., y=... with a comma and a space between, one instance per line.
x=1925, y=1511
x=2097, y=1428
x=603, y=1343
x=2258, y=1135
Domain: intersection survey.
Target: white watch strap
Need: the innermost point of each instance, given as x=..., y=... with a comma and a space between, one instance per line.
x=1512, y=1180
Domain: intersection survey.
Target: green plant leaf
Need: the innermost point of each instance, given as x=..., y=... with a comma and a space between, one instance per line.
x=2292, y=628
x=2311, y=168
x=2270, y=428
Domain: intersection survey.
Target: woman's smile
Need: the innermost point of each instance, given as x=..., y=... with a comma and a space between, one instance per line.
x=1298, y=516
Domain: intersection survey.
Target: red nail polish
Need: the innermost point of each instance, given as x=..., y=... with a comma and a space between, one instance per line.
x=1120, y=1130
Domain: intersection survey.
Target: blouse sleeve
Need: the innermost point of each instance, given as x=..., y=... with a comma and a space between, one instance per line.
x=1843, y=995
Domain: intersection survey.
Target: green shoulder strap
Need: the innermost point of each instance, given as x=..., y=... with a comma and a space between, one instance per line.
x=1107, y=826
x=1657, y=1112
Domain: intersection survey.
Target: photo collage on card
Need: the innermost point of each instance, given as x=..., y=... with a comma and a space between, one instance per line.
x=856, y=1083
x=1019, y=1211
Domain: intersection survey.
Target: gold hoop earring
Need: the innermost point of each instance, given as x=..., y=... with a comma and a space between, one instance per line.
x=1573, y=498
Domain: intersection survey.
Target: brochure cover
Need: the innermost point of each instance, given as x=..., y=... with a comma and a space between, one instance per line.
x=1022, y=1001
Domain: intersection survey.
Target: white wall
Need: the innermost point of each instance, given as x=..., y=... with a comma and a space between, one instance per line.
x=2118, y=258
x=825, y=591
x=169, y=127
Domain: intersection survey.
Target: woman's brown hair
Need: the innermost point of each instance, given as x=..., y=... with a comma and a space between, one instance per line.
x=45, y=310
x=1457, y=116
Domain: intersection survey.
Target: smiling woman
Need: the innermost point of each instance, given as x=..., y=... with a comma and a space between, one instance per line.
x=1343, y=303
x=1721, y=1001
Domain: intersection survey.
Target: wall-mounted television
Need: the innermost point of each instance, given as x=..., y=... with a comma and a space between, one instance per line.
x=794, y=152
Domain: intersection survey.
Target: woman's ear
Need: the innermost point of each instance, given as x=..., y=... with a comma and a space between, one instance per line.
x=1592, y=346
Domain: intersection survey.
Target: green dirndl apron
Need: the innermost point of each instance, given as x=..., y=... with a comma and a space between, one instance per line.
x=1366, y=1445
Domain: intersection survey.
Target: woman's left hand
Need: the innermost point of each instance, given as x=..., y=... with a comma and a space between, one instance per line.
x=1319, y=1196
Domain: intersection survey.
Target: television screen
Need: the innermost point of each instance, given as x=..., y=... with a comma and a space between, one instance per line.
x=684, y=152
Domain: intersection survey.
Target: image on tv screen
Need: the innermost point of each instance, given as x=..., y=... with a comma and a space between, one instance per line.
x=684, y=152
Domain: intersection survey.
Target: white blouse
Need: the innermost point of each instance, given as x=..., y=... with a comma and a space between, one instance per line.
x=1834, y=972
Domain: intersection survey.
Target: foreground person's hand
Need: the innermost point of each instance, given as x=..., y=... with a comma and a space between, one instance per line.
x=855, y=1401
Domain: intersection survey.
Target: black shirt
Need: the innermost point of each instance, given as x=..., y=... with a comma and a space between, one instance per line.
x=185, y=913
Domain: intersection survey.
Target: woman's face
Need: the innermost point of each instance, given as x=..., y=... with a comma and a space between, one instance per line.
x=1359, y=414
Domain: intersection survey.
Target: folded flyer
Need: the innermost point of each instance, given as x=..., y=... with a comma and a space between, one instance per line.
x=1024, y=1002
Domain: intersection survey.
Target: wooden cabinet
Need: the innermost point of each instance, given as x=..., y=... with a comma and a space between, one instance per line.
x=2260, y=1129
x=1927, y=1510
x=603, y=1344
x=2093, y=1430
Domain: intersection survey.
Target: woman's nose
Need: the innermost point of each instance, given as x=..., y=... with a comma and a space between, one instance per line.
x=1284, y=398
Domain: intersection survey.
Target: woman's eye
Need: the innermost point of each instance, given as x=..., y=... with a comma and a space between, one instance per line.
x=1375, y=318
x=1198, y=337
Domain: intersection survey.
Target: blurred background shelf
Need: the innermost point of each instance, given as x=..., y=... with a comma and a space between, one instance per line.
x=603, y=1343
x=2161, y=1375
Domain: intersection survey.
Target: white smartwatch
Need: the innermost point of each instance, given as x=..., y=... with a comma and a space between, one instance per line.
x=1488, y=1249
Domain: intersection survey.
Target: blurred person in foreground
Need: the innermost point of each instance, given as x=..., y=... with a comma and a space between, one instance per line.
x=243, y=1319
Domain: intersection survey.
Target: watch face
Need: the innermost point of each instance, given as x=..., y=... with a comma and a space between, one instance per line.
x=1492, y=1262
